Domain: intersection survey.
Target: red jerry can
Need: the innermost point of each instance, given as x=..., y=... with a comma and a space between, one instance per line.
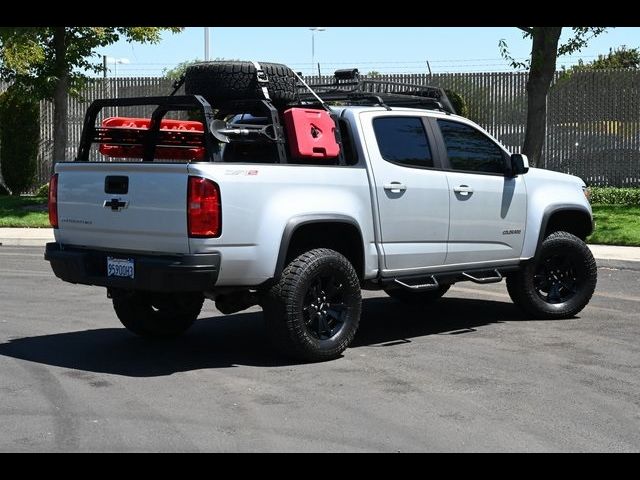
x=311, y=133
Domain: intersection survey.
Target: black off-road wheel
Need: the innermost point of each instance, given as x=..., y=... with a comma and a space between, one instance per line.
x=559, y=283
x=223, y=82
x=313, y=312
x=153, y=314
x=417, y=298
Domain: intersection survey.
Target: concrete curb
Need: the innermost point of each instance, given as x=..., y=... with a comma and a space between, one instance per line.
x=607, y=255
x=25, y=237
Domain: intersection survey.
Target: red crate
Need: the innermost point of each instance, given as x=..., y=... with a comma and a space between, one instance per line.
x=177, y=139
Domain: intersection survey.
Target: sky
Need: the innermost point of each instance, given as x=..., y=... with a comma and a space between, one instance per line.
x=383, y=49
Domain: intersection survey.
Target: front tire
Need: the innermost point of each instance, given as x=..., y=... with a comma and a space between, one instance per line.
x=154, y=314
x=559, y=283
x=313, y=312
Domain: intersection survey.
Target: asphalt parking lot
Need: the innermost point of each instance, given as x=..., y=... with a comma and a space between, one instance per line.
x=468, y=373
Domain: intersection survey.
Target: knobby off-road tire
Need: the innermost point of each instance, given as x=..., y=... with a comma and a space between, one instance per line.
x=151, y=314
x=221, y=82
x=417, y=298
x=560, y=283
x=313, y=312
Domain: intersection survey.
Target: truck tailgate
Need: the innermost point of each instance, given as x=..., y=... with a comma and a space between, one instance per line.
x=128, y=206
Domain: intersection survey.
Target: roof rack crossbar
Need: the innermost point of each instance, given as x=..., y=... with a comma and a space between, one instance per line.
x=382, y=92
x=386, y=100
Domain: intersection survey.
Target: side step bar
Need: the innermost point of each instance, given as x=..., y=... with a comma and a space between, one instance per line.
x=417, y=283
x=434, y=285
x=497, y=278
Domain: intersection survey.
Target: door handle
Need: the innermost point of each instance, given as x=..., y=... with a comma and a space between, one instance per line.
x=395, y=187
x=463, y=189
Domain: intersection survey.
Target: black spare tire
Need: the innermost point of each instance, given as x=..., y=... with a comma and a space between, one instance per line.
x=223, y=82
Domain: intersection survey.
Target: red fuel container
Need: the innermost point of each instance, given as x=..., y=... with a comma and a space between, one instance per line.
x=311, y=133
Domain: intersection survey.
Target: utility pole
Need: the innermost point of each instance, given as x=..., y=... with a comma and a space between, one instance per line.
x=104, y=66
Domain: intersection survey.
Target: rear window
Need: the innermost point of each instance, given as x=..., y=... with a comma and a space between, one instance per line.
x=403, y=140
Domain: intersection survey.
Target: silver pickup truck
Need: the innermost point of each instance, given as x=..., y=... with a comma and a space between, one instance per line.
x=254, y=205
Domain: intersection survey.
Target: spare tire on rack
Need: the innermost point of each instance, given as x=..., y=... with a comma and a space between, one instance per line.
x=222, y=82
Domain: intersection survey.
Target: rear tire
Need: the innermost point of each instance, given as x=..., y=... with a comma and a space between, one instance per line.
x=417, y=298
x=559, y=283
x=223, y=82
x=313, y=312
x=154, y=314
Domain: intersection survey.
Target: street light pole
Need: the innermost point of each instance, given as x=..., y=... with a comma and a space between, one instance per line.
x=206, y=44
x=116, y=61
x=313, y=44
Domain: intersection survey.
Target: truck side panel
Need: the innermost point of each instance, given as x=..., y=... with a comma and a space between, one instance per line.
x=259, y=200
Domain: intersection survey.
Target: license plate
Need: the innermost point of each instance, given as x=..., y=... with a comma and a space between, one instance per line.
x=120, y=267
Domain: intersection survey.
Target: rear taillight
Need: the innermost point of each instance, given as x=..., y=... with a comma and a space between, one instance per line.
x=53, y=201
x=203, y=208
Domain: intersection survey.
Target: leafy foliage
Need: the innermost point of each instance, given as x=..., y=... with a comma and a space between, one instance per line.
x=620, y=58
x=615, y=196
x=580, y=39
x=19, y=138
x=29, y=58
x=458, y=102
x=43, y=191
x=176, y=72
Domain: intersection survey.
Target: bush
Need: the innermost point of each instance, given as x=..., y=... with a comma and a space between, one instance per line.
x=19, y=138
x=615, y=196
x=458, y=102
x=4, y=191
x=43, y=191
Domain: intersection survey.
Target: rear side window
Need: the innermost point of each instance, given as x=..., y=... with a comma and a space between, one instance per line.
x=469, y=149
x=403, y=140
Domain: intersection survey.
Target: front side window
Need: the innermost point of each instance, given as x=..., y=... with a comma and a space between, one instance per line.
x=469, y=149
x=403, y=140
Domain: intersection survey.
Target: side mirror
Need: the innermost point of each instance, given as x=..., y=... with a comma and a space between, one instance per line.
x=518, y=165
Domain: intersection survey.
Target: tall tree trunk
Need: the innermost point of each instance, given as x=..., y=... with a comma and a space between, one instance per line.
x=60, y=94
x=544, y=52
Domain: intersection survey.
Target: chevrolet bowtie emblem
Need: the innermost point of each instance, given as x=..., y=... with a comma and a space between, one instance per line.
x=115, y=204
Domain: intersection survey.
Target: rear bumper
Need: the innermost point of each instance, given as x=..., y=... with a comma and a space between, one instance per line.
x=166, y=273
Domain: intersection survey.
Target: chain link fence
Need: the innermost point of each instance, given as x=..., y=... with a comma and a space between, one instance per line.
x=593, y=121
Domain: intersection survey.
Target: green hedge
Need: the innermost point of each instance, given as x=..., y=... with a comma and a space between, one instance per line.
x=458, y=102
x=19, y=137
x=615, y=196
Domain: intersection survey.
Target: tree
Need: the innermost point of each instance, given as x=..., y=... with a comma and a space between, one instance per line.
x=545, y=49
x=52, y=62
x=176, y=72
x=620, y=58
x=458, y=102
